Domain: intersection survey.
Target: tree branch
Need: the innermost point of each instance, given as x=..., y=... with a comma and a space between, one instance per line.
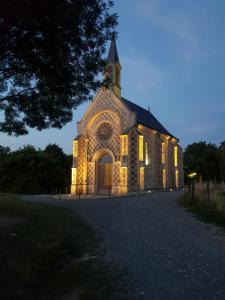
x=2, y=99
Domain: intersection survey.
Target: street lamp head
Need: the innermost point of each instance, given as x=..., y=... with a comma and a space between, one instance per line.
x=192, y=175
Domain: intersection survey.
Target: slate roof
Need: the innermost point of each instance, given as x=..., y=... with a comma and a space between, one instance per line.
x=113, y=56
x=77, y=137
x=146, y=118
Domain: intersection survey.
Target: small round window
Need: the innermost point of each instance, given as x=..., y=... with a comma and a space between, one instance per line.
x=104, y=132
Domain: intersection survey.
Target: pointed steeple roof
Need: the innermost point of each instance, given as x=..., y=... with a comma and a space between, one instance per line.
x=113, y=54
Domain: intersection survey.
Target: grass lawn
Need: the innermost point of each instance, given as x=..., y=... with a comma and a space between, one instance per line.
x=208, y=214
x=48, y=253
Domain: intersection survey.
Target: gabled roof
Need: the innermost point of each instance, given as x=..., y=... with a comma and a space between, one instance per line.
x=146, y=118
x=113, y=54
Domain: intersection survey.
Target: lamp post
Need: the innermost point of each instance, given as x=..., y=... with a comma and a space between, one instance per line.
x=192, y=177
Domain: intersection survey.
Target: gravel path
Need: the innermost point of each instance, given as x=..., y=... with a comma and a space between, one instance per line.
x=166, y=252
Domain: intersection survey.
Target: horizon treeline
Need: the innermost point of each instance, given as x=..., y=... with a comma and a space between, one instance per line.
x=35, y=171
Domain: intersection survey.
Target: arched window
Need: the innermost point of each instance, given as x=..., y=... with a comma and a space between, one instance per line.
x=141, y=147
x=163, y=153
x=175, y=156
x=146, y=154
x=105, y=159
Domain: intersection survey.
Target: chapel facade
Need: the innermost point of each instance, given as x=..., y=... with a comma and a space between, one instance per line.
x=121, y=147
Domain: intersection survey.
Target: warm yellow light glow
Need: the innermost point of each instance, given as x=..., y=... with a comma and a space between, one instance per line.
x=175, y=156
x=177, y=178
x=74, y=175
x=141, y=146
x=124, y=144
x=191, y=175
x=146, y=154
x=142, y=178
x=163, y=153
x=75, y=148
x=164, y=178
x=123, y=180
x=73, y=181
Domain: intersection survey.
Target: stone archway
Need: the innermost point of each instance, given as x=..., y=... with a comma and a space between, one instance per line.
x=99, y=160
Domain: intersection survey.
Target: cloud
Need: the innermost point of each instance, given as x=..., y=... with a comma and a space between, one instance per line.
x=204, y=129
x=142, y=74
x=186, y=28
x=175, y=22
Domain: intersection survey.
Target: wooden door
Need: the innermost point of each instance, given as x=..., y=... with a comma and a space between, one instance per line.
x=105, y=175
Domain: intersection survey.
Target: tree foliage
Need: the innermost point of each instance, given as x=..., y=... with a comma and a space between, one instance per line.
x=28, y=170
x=51, y=54
x=204, y=159
x=4, y=151
x=222, y=157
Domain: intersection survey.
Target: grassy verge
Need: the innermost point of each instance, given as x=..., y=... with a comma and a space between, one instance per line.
x=213, y=213
x=47, y=253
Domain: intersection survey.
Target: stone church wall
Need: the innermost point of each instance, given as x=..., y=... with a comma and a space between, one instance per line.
x=133, y=161
x=130, y=173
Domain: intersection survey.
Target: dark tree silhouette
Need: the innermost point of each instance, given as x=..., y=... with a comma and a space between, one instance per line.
x=28, y=170
x=222, y=157
x=50, y=55
x=205, y=160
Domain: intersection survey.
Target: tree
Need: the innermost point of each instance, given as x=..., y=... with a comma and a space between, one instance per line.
x=222, y=157
x=32, y=171
x=56, y=152
x=51, y=54
x=204, y=159
x=211, y=168
x=194, y=159
x=64, y=161
x=4, y=151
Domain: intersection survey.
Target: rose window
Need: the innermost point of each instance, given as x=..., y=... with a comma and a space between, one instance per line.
x=104, y=132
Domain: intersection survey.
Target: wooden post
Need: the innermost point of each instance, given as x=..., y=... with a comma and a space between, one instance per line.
x=189, y=188
x=193, y=190
x=208, y=193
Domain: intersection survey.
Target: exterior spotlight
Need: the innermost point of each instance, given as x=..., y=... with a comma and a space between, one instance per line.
x=149, y=192
x=192, y=175
x=192, y=191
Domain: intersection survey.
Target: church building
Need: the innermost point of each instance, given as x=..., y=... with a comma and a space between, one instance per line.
x=121, y=147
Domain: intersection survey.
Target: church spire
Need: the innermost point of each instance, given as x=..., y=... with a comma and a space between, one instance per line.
x=113, y=54
x=113, y=69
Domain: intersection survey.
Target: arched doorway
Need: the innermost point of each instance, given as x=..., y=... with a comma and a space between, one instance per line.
x=104, y=173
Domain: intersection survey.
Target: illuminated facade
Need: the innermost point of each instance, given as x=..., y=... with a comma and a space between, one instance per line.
x=122, y=147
